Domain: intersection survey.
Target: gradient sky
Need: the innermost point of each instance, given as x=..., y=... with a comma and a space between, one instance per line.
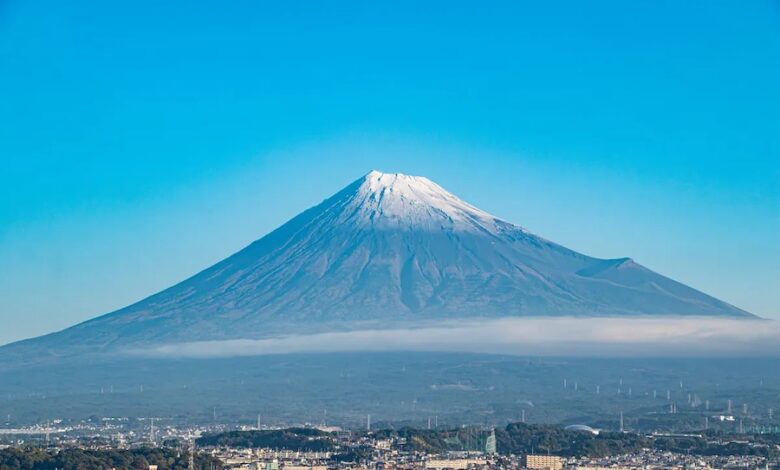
x=141, y=142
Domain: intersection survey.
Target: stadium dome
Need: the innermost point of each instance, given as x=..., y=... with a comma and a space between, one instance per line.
x=581, y=427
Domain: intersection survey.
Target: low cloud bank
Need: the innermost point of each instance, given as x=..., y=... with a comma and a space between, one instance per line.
x=524, y=336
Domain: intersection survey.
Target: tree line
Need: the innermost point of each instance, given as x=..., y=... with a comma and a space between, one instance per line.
x=34, y=458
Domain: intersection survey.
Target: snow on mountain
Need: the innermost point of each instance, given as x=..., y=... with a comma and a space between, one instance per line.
x=398, y=201
x=390, y=250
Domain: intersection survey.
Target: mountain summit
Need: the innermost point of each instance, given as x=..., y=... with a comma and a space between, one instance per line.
x=400, y=202
x=389, y=250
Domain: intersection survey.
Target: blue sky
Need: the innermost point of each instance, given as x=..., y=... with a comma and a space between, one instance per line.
x=141, y=142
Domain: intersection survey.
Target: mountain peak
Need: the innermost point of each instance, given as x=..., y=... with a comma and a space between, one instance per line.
x=378, y=181
x=413, y=202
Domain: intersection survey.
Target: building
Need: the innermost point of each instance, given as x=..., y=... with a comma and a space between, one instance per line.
x=581, y=428
x=454, y=464
x=490, y=444
x=304, y=467
x=543, y=462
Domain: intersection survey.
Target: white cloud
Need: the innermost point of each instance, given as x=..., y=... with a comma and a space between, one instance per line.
x=696, y=336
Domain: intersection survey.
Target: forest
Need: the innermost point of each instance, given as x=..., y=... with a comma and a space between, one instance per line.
x=34, y=458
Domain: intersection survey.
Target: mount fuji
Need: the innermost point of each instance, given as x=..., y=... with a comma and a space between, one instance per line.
x=387, y=250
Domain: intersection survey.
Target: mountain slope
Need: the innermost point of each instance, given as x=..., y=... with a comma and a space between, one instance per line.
x=388, y=249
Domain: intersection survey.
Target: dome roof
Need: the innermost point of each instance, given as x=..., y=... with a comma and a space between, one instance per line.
x=581, y=427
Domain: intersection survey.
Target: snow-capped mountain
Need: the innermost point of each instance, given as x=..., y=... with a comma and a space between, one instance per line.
x=390, y=250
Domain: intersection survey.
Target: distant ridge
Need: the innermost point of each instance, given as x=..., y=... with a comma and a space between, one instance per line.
x=389, y=249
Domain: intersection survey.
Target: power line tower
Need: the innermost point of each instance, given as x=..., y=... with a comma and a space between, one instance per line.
x=192, y=454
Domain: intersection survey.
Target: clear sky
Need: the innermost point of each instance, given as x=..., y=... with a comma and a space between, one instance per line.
x=141, y=142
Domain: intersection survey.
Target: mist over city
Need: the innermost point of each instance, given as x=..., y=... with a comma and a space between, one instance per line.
x=599, y=337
